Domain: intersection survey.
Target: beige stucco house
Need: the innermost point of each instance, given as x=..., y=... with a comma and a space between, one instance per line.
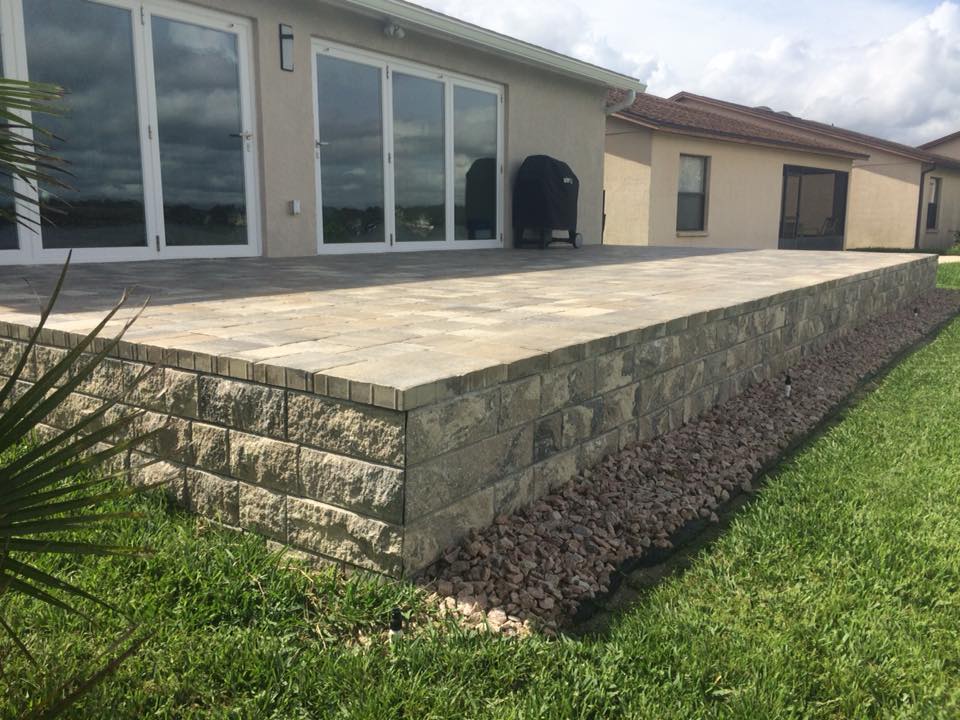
x=678, y=175
x=692, y=170
x=899, y=196
x=946, y=191
x=291, y=127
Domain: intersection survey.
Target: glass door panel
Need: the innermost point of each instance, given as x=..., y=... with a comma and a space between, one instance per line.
x=8, y=225
x=87, y=48
x=350, y=151
x=475, y=116
x=419, y=156
x=201, y=134
x=405, y=154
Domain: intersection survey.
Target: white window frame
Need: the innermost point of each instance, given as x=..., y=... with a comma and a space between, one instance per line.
x=141, y=15
x=707, y=163
x=386, y=111
x=388, y=66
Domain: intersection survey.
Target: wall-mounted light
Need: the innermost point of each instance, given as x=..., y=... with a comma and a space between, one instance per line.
x=286, y=48
x=392, y=30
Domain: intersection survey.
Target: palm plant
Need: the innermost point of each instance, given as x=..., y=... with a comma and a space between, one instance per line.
x=25, y=151
x=44, y=488
x=47, y=483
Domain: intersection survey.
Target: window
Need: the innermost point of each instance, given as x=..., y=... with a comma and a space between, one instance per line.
x=157, y=127
x=475, y=114
x=933, y=203
x=692, y=195
x=813, y=213
x=408, y=157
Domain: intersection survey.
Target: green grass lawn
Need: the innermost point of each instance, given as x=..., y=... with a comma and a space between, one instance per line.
x=835, y=595
x=949, y=275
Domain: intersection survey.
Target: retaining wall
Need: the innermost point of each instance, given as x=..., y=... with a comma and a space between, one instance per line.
x=387, y=489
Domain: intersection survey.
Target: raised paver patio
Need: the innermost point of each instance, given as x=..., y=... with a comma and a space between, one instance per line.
x=372, y=409
x=405, y=322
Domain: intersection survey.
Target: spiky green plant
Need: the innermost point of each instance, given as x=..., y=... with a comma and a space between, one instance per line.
x=25, y=150
x=47, y=487
x=46, y=484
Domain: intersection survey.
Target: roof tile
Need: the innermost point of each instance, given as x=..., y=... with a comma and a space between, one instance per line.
x=664, y=114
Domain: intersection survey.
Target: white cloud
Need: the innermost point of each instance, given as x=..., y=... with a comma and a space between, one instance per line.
x=880, y=66
x=905, y=86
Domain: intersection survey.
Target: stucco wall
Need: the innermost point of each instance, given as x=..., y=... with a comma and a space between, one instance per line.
x=545, y=112
x=744, y=194
x=883, y=194
x=882, y=207
x=949, y=222
x=626, y=183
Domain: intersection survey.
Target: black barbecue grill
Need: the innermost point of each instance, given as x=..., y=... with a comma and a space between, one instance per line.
x=545, y=198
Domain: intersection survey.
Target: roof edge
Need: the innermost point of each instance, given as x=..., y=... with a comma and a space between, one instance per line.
x=940, y=141
x=881, y=144
x=742, y=139
x=449, y=27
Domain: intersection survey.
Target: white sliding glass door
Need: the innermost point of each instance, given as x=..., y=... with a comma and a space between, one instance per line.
x=205, y=139
x=408, y=158
x=157, y=129
x=476, y=178
x=88, y=49
x=419, y=159
x=351, y=155
x=10, y=247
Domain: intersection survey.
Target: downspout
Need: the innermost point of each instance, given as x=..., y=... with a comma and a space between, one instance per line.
x=628, y=100
x=920, y=218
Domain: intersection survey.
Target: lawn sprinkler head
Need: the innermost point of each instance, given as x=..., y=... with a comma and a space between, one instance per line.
x=396, y=625
x=916, y=313
x=788, y=386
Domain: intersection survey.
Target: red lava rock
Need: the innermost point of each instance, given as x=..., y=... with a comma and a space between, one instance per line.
x=540, y=564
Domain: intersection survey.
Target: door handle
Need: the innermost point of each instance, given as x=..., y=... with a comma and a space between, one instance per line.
x=321, y=144
x=243, y=135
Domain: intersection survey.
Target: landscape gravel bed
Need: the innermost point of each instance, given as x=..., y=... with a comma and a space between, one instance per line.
x=536, y=567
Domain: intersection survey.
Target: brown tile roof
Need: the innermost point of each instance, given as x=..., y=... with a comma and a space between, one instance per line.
x=671, y=116
x=829, y=131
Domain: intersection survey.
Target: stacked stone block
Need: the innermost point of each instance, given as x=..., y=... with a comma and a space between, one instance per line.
x=385, y=480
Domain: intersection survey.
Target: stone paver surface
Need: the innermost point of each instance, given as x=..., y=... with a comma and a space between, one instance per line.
x=403, y=320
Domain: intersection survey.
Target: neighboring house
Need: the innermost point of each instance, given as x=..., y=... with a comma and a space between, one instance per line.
x=949, y=145
x=679, y=175
x=942, y=201
x=899, y=196
x=291, y=128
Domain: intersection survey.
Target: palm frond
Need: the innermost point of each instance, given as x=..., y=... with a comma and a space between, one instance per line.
x=50, y=489
x=25, y=152
x=72, y=692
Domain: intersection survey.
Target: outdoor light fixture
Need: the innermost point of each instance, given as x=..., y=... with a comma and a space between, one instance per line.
x=286, y=48
x=392, y=30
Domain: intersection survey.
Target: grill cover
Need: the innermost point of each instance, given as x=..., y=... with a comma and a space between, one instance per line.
x=545, y=196
x=481, y=199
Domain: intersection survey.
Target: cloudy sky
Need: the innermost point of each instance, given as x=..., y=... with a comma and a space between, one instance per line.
x=886, y=67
